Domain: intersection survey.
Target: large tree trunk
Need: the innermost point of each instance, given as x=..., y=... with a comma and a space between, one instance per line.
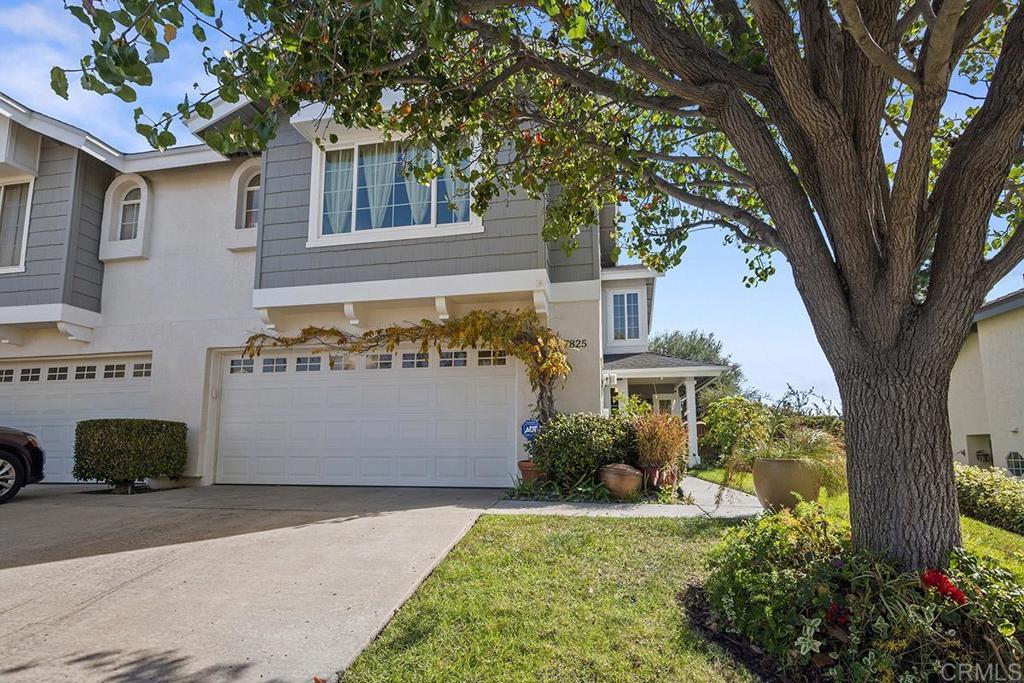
x=902, y=495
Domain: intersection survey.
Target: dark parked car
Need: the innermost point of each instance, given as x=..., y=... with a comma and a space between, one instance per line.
x=21, y=461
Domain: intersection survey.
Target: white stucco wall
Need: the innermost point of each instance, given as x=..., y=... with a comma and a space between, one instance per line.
x=987, y=386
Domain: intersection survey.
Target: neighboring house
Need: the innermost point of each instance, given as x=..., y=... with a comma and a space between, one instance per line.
x=129, y=282
x=986, y=393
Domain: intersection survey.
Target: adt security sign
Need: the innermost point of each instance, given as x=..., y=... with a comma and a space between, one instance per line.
x=529, y=429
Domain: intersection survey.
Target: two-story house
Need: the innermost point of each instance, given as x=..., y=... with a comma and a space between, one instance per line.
x=129, y=283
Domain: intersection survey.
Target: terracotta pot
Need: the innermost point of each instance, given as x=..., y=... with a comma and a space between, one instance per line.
x=776, y=481
x=652, y=477
x=669, y=477
x=622, y=480
x=528, y=471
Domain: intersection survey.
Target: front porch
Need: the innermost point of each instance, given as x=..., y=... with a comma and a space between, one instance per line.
x=668, y=383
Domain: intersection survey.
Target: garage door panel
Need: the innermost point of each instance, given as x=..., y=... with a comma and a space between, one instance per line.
x=407, y=426
x=51, y=408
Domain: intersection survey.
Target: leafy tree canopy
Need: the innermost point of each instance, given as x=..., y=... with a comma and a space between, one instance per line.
x=706, y=347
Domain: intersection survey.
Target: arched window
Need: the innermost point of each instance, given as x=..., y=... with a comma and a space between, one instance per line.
x=128, y=222
x=1015, y=463
x=251, y=204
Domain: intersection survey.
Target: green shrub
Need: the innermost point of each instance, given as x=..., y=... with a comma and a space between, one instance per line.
x=735, y=423
x=570, y=449
x=991, y=495
x=791, y=584
x=122, y=451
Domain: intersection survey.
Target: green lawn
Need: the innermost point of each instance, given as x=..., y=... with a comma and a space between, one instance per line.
x=984, y=539
x=559, y=599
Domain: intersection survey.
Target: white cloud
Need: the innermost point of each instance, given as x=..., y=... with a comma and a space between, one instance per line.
x=37, y=19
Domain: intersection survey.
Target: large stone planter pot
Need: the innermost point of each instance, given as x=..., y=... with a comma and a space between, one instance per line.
x=622, y=480
x=776, y=481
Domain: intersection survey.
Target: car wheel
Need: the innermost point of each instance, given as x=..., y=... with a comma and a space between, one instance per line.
x=12, y=476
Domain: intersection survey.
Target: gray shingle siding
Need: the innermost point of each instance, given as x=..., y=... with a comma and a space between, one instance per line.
x=582, y=264
x=62, y=258
x=42, y=281
x=511, y=239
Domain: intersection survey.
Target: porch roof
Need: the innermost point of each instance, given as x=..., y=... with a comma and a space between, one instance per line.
x=659, y=365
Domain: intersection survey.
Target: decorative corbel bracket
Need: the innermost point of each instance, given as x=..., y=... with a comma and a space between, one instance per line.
x=441, y=304
x=350, y=314
x=78, y=333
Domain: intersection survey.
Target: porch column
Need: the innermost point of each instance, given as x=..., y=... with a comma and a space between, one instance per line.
x=691, y=419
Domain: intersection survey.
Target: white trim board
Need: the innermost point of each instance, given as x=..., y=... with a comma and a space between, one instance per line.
x=48, y=313
x=669, y=373
x=406, y=288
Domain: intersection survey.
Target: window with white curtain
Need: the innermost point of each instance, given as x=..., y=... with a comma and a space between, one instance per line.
x=371, y=187
x=14, y=206
x=251, y=204
x=131, y=206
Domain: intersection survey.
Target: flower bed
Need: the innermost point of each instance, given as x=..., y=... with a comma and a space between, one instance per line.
x=791, y=584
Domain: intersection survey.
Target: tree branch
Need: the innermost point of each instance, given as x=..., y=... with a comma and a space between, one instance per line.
x=854, y=23
x=939, y=46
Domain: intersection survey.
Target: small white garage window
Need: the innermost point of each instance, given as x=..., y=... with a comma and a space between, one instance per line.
x=30, y=374
x=307, y=364
x=488, y=357
x=453, y=359
x=1015, y=463
x=275, y=365
x=378, y=361
x=240, y=366
x=114, y=371
x=7, y=375
x=415, y=360
x=85, y=372
x=142, y=370
x=56, y=374
x=342, y=363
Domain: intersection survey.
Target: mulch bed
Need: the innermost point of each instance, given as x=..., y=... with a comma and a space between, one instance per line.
x=748, y=655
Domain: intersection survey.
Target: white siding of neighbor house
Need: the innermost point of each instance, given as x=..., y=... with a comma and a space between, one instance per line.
x=986, y=393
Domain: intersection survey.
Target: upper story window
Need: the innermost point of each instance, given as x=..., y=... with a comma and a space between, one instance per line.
x=127, y=210
x=367, y=192
x=131, y=205
x=14, y=210
x=626, y=316
x=251, y=215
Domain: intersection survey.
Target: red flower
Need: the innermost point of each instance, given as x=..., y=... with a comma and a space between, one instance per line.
x=933, y=578
x=836, y=615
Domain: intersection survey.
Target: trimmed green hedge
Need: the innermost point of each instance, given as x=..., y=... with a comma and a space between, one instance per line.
x=992, y=496
x=571, y=448
x=122, y=451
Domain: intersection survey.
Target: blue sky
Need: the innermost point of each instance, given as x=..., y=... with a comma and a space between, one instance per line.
x=765, y=328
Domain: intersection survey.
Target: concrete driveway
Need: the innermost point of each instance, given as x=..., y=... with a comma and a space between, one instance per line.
x=215, y=584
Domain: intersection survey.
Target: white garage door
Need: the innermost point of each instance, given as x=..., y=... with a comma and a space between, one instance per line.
x=402, y=419
x=49, y=397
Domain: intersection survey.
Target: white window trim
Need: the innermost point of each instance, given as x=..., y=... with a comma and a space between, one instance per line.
x=609, y=307
x=112, y=248
x=316, y=202
x=244, y=239
x=18, y=180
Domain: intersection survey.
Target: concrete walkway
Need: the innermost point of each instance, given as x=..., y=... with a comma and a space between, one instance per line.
x=733, y=504
x=220, y=584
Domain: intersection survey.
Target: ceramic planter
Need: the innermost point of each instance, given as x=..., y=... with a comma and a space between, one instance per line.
x=776, y=482
x=528, y=471
x=622, y=480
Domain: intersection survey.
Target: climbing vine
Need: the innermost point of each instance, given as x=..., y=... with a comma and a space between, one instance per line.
x=519, y=333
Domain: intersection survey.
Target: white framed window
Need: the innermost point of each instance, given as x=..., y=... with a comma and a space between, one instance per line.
x=114, y=371
x=415, y=360
x=307, y=364
x=57, y=374
x=454, y=359
x=240, y=366
x=15, y=207
x=126, y=218
x=85, y=372
x=1015, y=464
x=625, y=323
x=378, y=361
x=345, y=362
x=129, y=214
x=491, y=357
x=251, y=204
x=275, y=365
x=30, y=374
x=142, y=370
x=7, y=375
x=363, y=191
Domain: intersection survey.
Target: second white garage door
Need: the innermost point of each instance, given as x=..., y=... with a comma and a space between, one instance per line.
x=402, y=419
